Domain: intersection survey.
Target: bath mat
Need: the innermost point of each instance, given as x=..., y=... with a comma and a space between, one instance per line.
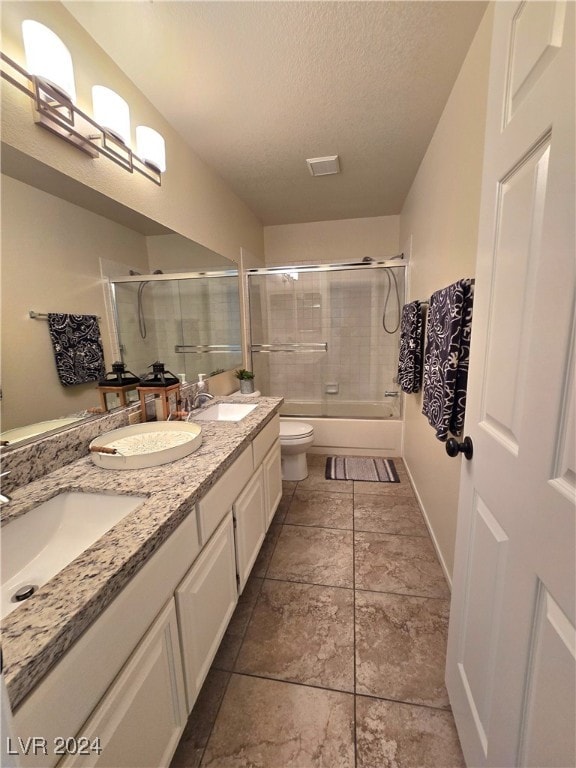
x=367, y=468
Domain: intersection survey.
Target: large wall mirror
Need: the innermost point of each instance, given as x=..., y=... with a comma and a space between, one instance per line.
x=66, y=248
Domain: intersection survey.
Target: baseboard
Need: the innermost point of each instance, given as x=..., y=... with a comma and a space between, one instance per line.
x=430, y=529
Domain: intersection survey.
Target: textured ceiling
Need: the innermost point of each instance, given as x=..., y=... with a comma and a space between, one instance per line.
x=255, y=88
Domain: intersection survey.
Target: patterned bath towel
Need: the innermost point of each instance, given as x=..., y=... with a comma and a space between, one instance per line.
x=446, y=357
x=77, y=348
x=411, y=338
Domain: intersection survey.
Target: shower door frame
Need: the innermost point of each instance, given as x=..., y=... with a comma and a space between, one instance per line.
x=169, y=277
x=391, y=262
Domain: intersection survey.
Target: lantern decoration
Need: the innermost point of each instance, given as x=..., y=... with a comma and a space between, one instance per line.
x=164, y=386
x=116, y=386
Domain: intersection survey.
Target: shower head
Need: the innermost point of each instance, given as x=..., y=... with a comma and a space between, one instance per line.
x=133, y=272
x=370, y=260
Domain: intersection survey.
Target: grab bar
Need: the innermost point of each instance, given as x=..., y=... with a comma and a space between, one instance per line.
x=291, y=346
x=198, y=349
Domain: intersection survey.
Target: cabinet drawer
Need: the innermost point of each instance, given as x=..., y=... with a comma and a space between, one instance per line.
x=265, y=439
x=212, y=508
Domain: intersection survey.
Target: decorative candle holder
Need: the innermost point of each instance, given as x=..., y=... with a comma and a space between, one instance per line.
x=117, y=385
x=164, y=387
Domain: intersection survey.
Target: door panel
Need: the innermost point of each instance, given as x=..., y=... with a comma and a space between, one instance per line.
x=563, y=475
x=552, y=653
x=537, y=32
x=521, y=199
x=488, y=550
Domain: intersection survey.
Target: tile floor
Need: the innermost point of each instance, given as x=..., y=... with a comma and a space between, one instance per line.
x=335, y=655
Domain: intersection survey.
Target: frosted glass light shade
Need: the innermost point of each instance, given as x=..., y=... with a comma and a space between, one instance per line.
x=47, y=57
x=111, y=112
x=151, y=147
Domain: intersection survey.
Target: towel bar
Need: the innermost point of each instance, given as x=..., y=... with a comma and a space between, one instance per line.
x=43, y=315
x=290, y=346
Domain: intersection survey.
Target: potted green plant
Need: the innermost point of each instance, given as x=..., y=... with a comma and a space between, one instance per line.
x=246, y=379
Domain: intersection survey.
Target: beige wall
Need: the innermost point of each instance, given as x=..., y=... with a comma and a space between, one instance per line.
x=51, y=254
x=440, y=219
x=193, y=200
x=173, y=253
x=322, y=242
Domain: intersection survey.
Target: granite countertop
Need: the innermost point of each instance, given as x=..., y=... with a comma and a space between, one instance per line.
x=37, y=633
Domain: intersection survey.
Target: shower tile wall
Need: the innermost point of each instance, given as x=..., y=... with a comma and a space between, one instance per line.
x=343, y=309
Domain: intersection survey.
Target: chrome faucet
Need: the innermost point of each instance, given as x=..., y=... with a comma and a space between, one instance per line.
x=4, y=498
x=201, y=398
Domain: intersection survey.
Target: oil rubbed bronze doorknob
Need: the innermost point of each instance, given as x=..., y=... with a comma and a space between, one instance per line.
x=453, y=447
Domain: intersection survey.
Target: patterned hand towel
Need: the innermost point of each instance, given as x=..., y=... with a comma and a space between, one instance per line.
x=411, y=338
x=446, y=357
x=77, y=348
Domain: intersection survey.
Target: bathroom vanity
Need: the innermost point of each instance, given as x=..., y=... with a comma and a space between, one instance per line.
x=104, y=663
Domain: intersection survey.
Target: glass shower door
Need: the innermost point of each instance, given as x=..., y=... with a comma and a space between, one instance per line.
x=288, y=340
x=192, y=324
x=327, y=340
x=209, y=332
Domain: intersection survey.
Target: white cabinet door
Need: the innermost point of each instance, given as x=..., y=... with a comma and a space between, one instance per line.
x=205, y=601
x=272, y=481
x=140, y=720
x=250, y=526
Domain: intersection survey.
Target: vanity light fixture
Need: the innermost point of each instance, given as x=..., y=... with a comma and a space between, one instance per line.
x=151, y=147
x=51, y=88
x=111, y=112
x=48, y=59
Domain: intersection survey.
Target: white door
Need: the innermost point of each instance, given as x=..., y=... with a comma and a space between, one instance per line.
x=510, y=667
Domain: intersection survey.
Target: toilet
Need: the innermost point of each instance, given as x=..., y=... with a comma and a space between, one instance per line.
x=295, y=438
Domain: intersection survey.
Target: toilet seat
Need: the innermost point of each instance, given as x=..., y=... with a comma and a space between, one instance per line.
x=294, y=430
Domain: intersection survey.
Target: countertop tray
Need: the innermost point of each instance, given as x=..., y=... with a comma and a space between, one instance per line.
x=147, y=445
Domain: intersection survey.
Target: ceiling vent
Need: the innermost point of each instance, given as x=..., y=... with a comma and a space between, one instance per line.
x=324, y=166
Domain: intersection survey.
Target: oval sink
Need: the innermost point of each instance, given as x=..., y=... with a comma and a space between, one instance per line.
x=40, y=543
x=224, y=412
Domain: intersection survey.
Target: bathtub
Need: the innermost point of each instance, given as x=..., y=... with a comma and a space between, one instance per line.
x=353, y=435
x=342, y=409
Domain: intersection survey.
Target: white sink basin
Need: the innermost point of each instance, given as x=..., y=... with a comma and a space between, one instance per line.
x=40, y=543
x=224, y=412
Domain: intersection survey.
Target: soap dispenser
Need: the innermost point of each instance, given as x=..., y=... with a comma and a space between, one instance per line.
x=202, y=394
